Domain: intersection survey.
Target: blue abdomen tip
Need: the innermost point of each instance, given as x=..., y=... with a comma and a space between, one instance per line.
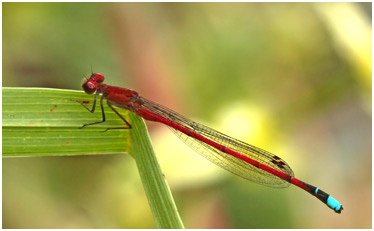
x=334, y=204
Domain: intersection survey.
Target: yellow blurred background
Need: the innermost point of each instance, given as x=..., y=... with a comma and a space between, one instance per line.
x=291, y=78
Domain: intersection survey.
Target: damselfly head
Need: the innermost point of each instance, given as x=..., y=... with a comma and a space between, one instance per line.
x=90, y=85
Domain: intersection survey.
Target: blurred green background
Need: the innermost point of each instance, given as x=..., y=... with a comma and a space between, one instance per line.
x=291, y=78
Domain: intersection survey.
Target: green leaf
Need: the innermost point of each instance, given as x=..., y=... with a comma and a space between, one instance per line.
x=154, y=182
x=46, y=122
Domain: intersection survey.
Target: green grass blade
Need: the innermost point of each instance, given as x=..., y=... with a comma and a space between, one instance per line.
x=158, y=193
x=45, y=122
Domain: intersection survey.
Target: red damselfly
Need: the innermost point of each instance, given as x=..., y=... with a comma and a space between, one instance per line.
x=240, y=158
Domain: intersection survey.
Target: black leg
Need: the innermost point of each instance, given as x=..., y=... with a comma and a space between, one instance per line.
x=93, y=110
x=103, y=113
x=93, y=106
x=120, y=116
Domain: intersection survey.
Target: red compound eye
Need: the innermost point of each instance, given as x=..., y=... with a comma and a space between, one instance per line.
x=89, y=87
x=97, y=77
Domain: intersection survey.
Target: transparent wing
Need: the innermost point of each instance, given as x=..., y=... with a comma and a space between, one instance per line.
x=222, y=159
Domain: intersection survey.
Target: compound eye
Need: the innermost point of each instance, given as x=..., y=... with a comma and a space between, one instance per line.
x=89, y=87
x=97, y=77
